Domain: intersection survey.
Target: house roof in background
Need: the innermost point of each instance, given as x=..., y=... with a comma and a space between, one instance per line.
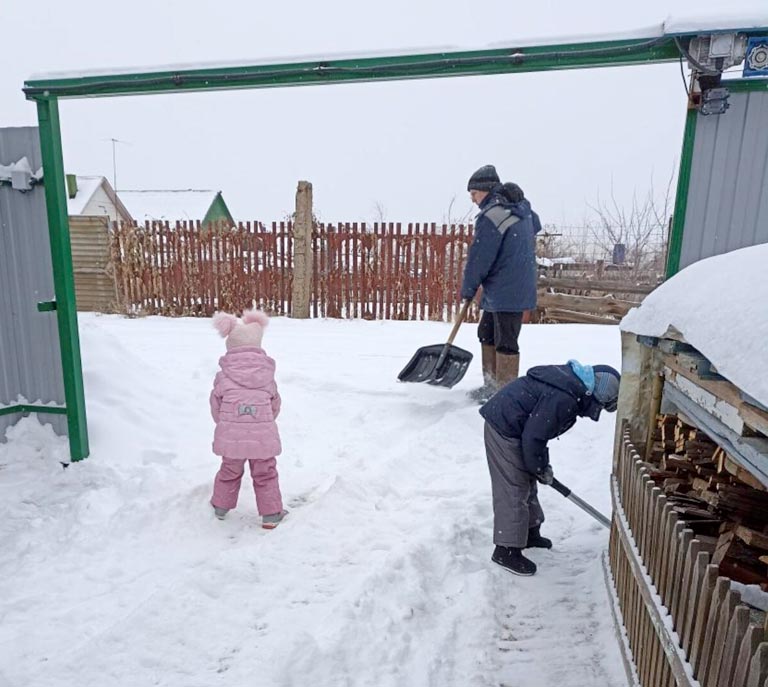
x=171, y=205
x=87, y=186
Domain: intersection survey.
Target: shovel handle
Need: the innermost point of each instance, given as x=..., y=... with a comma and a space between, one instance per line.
x=565, y=491
x=459, y=320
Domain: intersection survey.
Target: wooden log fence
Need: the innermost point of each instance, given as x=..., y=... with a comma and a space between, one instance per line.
x=686, y=625
x=587, y=301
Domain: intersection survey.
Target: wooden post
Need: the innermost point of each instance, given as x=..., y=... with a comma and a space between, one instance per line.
x=302, y=252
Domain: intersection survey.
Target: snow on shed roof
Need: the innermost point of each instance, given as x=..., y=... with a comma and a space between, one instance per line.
x=86, y=187
x=170, y=205
x=720, y=306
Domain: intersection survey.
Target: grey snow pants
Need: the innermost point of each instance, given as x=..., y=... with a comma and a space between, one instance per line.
x=515, y=496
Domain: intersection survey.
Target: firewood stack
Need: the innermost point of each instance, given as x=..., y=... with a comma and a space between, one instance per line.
x=725, y=506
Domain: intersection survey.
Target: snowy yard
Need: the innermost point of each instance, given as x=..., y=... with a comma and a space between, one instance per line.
x=115, y=573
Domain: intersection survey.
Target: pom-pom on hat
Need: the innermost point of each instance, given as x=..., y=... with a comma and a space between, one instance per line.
x=246, y=332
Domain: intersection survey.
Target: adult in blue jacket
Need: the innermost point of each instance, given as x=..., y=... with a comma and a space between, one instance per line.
x=519, y=421
x=501, y=260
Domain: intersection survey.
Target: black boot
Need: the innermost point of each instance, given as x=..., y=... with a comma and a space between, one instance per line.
x=536, y=541
x=513, y=560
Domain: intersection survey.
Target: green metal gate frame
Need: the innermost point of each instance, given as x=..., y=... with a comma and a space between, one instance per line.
x=47, y=92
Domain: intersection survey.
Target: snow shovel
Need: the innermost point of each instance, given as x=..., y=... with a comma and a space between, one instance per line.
x=565, y=491
x=440, y=364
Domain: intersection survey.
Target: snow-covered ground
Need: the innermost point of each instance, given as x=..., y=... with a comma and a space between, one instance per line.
x=114, y=571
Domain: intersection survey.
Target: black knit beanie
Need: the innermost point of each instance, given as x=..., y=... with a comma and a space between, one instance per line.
x=484, y=179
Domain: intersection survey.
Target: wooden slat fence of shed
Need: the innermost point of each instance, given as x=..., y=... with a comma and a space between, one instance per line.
x=684, y=622
x=94, y=284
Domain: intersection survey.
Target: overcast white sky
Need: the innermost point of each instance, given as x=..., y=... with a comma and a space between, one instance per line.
x=407, y=147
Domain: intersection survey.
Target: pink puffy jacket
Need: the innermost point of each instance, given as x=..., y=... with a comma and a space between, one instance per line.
x=245, y=404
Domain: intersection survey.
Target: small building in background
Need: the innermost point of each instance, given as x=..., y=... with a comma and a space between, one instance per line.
x=93, y=196
x=177, y=205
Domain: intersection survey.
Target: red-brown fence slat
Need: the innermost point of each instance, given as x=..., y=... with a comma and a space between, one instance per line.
x=407, y=274
x=396, y=272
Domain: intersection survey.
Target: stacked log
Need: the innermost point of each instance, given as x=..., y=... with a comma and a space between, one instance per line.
x=725, y=506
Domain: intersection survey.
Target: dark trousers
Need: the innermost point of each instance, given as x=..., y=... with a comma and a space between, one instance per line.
x=516, y=505
x=501, y=329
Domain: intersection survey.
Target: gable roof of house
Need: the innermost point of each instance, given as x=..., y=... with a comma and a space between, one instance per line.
x=171, y=205
x=87, y=186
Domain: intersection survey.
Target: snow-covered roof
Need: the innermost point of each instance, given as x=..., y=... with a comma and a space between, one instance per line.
x=720, y=306
x=20, y=166
x=168, y=205
x=86, y=187
x=672, y=25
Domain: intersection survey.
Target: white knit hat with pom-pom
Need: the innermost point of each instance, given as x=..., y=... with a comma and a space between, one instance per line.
x=247, y=332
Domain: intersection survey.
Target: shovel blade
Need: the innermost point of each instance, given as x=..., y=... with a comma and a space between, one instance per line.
x=423, y=366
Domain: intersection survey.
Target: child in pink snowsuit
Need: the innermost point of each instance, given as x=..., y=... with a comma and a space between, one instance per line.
x=244, y=406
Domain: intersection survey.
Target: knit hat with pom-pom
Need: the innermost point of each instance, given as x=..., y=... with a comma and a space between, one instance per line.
x=246, y=332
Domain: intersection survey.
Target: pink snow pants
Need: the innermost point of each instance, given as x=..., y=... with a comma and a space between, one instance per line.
x=226, y=486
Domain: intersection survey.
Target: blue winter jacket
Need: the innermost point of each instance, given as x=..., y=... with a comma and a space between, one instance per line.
x=538, y=407
x=502, y=257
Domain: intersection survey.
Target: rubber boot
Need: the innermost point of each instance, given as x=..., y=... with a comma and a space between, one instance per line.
x=536, y=541
x=507, y=367
x=483, y=393
x=512, y=559
x=489, y=364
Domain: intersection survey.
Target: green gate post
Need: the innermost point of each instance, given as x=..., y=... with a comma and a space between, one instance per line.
x=63, y=277
x=681, y=203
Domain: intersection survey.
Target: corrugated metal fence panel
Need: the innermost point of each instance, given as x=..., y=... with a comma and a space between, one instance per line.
x=727, y=199
x=29, y=341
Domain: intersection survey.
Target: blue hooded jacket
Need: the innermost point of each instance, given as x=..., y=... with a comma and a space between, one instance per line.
x=542, y=405
x=502, y=257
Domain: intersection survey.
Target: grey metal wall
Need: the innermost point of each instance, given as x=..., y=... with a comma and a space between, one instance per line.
x=30, y=361
x=727, y=197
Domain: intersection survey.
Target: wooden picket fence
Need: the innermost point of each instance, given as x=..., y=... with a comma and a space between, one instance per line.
x=383, y=271
x=187, y=269
x=685, y=625
x=389, y=271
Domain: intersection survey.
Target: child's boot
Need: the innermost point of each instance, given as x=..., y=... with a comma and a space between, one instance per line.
x=220, y=513
x=536, y=541
x=269, y=522
x=512, y=559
